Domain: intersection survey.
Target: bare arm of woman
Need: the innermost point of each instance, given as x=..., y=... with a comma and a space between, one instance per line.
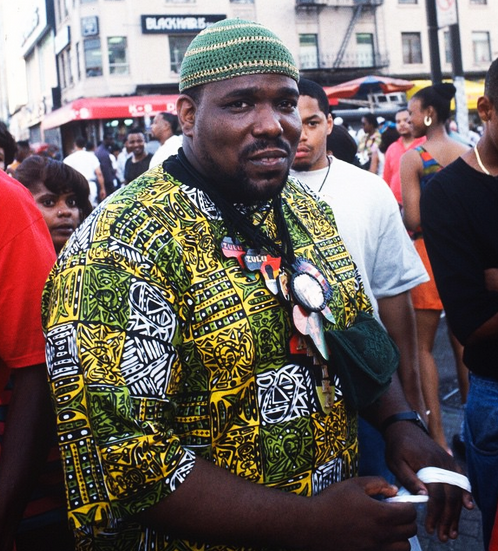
x=374, y=164
x=410, y=173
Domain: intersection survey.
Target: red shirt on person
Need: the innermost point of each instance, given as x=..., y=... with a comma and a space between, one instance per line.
x=392, y=161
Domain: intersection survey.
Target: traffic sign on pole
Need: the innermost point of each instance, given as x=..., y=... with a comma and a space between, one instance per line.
x=446, y=13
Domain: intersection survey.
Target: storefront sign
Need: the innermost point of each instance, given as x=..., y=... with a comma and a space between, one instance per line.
x=36, y=25
x=90, y=26
x=62, y=39
x=170, y=24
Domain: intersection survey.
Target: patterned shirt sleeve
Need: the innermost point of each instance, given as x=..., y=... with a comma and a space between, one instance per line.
x=112, y=334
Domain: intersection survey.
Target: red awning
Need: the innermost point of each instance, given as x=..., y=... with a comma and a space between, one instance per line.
x=110, y=108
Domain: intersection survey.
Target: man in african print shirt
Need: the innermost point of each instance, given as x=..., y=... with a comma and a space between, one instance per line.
x=195, y=405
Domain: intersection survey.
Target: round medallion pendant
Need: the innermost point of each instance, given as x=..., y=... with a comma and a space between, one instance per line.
x=308, y=292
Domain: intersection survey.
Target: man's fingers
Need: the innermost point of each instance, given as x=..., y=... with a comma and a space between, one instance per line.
x=374, y=486
x=443, y=510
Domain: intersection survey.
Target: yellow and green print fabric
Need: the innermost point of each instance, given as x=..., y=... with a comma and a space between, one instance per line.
x=160, y=350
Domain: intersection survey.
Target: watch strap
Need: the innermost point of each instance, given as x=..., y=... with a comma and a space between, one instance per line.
x=411, y=416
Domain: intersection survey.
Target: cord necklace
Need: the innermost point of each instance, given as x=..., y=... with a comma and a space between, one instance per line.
x=479, y=162
x=326, y=174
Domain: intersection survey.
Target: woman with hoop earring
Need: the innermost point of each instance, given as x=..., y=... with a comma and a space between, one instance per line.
x=429, y=109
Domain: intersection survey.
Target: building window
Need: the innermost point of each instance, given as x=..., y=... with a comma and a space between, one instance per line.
x=62, y=70
x=117, y=47
x=65, y=69
x=412, y=48
x=308, y=51
x=365, y=49
x=407, y=1
x=62, y=8
x=481, y=2
x=178, y=45
x=69, y=68
x=242, y=1
x=78, y=60
x=481, y=47
x=448, y=58
x=93, y=57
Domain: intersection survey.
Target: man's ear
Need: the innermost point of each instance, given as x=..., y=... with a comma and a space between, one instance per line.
x=186, y=109
x=330, y=124
x=484, y=108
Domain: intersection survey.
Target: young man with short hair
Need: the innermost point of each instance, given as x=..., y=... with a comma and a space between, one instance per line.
x=459, y=210
x=369, y=221
x=139, y=161
x=164, y=128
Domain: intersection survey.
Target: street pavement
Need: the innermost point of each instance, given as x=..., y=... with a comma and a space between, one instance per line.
x=470, y=538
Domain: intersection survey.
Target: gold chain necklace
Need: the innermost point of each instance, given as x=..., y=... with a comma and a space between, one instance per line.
x=480, y=163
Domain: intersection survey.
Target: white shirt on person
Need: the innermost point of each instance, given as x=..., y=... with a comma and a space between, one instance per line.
x=87, y=163
x=169, y=147
x=369, y=221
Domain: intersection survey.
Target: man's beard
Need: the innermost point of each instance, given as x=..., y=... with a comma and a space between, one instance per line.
x=302, y=166
x=237, y=187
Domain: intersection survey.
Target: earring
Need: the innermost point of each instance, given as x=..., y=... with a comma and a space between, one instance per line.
x=427, y=120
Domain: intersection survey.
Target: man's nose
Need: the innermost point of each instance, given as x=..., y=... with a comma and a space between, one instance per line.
x=267, y=122
x=304, y=135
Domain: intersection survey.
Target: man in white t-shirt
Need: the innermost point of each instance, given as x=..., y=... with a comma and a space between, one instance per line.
x=370, y=224
x=164, y=127
x=88, y=164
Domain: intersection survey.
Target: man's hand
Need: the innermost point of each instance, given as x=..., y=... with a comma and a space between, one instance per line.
x=215, y=506
x=357, y=521
x=409, y=449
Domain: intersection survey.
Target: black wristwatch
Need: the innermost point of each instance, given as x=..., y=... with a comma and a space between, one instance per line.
x=411, y=416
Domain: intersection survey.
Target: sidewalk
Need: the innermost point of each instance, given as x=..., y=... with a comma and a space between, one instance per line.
x=470, y=538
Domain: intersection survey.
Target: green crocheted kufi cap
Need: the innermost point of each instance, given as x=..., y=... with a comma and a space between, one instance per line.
x=233, y=48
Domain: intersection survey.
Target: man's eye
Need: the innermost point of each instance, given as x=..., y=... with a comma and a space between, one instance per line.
x=288, y=104
x=239, y=104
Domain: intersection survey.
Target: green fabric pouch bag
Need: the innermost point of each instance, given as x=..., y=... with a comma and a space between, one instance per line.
x=364, y=357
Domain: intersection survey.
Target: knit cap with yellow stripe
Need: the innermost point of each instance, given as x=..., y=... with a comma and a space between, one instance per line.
x=233, y=48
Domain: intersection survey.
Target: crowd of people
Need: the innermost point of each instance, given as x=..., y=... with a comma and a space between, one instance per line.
x=186, y=306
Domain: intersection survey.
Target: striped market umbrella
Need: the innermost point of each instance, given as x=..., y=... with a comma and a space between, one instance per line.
x=365, y=86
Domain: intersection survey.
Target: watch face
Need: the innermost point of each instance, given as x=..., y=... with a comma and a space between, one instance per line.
x=415, y=418
x=420, y=422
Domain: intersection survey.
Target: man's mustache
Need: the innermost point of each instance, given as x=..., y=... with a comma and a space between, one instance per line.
x=263, y=145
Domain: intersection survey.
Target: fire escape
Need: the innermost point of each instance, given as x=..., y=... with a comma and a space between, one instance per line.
x=357, y=9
